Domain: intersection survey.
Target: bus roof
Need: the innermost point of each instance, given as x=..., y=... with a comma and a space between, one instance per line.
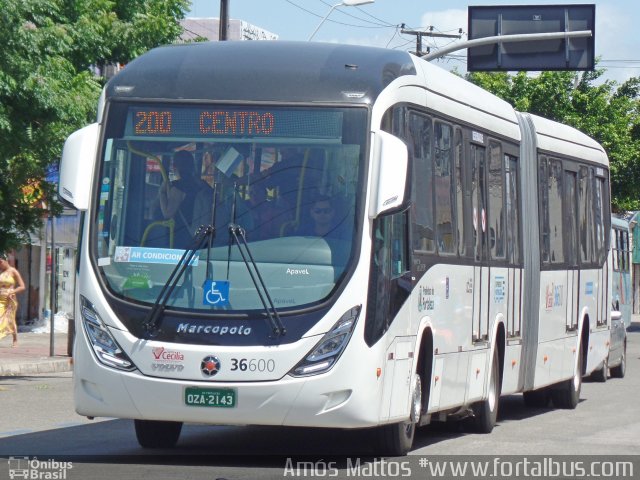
x=619, y=222
x=461, y=99
x=268, y=71
x=557, y=137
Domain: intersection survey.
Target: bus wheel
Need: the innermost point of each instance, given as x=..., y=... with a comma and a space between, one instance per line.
x=486, y=411
x=621, y=369
x=396, y=439
x=156, y=434
x=567, y=394
x=601, y=374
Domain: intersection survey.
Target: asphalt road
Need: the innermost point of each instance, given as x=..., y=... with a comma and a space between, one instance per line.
x=37, y=420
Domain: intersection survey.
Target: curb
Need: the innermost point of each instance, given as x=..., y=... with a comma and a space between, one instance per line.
x=37, y=367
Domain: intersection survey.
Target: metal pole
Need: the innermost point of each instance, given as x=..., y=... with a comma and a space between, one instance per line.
x=419, y=34
x=30, y=262
x=52, y=294
x=42, y=272
x=499, y=39
x=333, y=7
x=224, y=20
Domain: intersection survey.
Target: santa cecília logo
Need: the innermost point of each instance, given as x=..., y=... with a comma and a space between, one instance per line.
x=160, y=353
x=210, y=365
x=167, y=360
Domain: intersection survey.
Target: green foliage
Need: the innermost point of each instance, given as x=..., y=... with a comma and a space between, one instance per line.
x=47, y=89
x=606, y=111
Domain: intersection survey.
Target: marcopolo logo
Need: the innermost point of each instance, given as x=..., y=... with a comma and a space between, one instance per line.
x=23, y=467
x=192, y=328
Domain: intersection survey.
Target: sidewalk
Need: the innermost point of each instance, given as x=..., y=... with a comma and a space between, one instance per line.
x=31, y=355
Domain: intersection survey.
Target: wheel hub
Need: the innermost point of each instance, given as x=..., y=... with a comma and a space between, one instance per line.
x=416, y=404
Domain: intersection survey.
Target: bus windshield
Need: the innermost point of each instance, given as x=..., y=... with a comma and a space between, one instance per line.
x=287, y=177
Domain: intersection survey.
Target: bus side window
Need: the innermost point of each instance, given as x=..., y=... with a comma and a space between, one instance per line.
x=389, y=286
x=495, y=200
x=556, y=222
x=624, y=247
x=543, y=209
x=616, y=249
x=399, y=250
x=445, y=199
x=512, y=203
x=585, y=217
x=420, y=142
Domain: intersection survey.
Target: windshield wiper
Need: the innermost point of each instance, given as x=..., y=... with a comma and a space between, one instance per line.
x=277, y=328
x=152, y=323
x=212, y=236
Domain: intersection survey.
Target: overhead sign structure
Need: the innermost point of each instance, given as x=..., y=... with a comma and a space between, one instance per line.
x=568, y=53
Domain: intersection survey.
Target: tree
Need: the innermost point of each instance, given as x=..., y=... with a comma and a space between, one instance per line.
x=608, y=112
x=47, y=88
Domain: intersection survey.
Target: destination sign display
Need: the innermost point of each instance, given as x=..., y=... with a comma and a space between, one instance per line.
x=211, y=122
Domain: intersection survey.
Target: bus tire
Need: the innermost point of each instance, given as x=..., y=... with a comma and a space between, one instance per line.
x=396, y=439
x=619, y=370
x=157, y=434
x=567, y=394
x=537, y=398
x=486, y=411
x=601, y=374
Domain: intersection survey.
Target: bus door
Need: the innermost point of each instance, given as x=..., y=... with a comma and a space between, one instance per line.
x=477, y=168
x=571, y=249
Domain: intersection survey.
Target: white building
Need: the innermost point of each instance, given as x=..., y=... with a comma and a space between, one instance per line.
x=208, y=28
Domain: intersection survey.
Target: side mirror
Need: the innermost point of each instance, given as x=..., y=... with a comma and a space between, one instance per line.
x=76, y=166
x=389, y=176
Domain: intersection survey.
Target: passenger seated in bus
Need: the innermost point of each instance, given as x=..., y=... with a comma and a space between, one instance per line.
x=177, y=198
x=321, y=220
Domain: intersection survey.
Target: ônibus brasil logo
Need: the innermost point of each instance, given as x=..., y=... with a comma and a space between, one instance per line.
x=24, y=467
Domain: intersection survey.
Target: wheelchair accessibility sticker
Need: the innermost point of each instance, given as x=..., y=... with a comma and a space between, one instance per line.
x=216, y=292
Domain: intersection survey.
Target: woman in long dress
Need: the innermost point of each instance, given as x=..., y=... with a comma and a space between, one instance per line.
x=11, y=283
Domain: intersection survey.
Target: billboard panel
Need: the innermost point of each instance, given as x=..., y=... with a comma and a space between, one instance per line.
x=559, y=54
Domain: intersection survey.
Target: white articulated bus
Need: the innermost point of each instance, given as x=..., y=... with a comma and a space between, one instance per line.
x=459, y=250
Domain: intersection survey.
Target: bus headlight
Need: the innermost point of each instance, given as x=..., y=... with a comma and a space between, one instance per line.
x=107, y=350
x=327, y=351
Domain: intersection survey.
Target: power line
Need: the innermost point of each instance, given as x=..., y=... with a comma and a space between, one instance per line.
x=381, y=23
x=407, y=42
x=337, y=22
x=429, y=33
x=375, y=18
x=303, y=9
x=395, y=32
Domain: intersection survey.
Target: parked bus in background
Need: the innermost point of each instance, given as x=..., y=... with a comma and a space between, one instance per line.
x=467, y=256
x=621, y=303
x=622, y=296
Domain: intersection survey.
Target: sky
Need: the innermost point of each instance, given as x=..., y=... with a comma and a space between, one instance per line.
x=617, y=36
